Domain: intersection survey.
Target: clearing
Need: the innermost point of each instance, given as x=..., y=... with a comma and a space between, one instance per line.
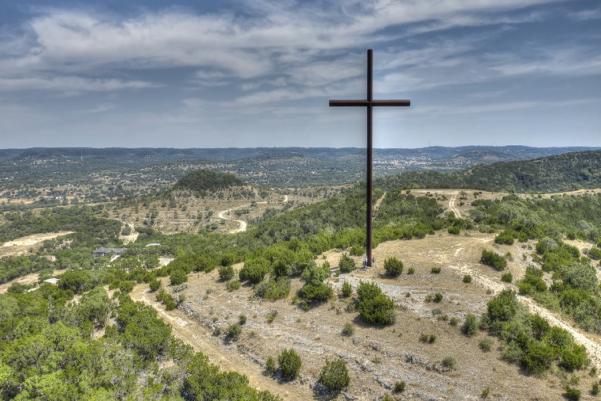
x=23, y=245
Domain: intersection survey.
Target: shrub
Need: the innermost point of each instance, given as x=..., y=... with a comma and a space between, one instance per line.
x=271, y=316
x=572, y=394
x=348, y=330
x=315, y=290
x=470, y=325
x=493, y=259
x=334, y=375
x=437, y=298
x=273, y=289
x=166, y=300
x=270, y=367
x=346, y=264
x=347, y=289
x=507, y=277
x=503, y=307
x=595, y=253
x=454, y=321
x=154, y=285
x=374, y=306
x=233, y=332
x=290, y=363
x=505, y=237
x=233, y=285
x=399, y=387
x=254, y=270
x=411, y=270
x=226, y=272
x=532, y=281
x=595, y=389
x=449, y=363
x=393, y=267
x=178, y=276
x=467, y=279
x=435, y=270
x=485, y=345
x=242, y=320
x=455, y=230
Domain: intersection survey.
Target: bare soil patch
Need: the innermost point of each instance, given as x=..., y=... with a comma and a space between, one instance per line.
x=23, y=245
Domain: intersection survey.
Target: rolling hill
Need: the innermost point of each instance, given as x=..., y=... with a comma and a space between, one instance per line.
x=565, y=172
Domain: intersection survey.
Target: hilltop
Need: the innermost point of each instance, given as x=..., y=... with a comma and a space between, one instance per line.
x=564, y=172
x=207, y=180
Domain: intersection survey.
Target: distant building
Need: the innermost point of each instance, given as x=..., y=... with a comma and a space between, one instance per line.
x=52, y=280
x=102, y=251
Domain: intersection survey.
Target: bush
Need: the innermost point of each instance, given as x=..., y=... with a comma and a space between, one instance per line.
x=347, y=289
x=467, y=279
x=399, y=387
x=435, y=270
x=346, y=264
x=393, y=267
x=226, y=273
x=503, y=307
x=505, y=238
x=270, y=367
x=166, y=300
x=348, y=330
x=449, y=363
x=572, y=394
x=470, y=325
x=273, y=289
x=233, y=285
x=374, y=306
x=437, y=298
x=178, y=276
x=290, y=363
x=242, y=320
x=315, y=290
x=427, y=338
x=254, y=270
x=233, y=332
x=154, y=285
x=485, y=345
x=455, y=230
x=507, y=277
x=334, y=375
x=493, y=259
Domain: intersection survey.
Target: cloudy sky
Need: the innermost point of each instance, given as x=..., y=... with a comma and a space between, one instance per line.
x=260, y=72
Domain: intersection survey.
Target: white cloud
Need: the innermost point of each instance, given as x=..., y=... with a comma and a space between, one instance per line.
x=70, y=84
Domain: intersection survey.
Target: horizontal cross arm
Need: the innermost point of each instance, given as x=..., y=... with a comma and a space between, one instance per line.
x=349, y=103
x=363, y=103
x=392, y=102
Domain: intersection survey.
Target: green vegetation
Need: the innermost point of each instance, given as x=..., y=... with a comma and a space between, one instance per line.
x=529, y=339
x=493, y=259
x=226, y=273
x=507, y=277
x=467, y=279
x=334, y=375
x=289, y=364
x=562, y=172
x=470, y=325
x=206, y=180
x=315, y=291
x=393, y=267
x=346, y=264
x=374, y=306
x=51, y=354
x=347, y=289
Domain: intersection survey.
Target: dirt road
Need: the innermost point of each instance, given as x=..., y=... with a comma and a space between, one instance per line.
x=226, y=215
x=452, y=206
x=22, y=245
x=227, y=358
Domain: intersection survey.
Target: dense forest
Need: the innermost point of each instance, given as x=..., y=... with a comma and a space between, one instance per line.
x=565, y=172
x=207, y=180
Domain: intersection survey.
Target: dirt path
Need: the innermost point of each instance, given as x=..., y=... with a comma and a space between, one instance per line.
x=22, y=245
x=226, y=215
x=199, y=338
x=452, y=207
x=242, y=225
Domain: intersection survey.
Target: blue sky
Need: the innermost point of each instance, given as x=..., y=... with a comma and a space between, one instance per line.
x=260, y=72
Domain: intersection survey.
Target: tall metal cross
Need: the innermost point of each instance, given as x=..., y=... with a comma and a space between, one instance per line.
x=369, y=104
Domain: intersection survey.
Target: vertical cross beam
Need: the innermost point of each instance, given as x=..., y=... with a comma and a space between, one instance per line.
x=369, y=103
x=369, y=189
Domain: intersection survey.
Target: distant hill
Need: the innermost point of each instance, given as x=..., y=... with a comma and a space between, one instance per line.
x=565, y=172
x=207, y=180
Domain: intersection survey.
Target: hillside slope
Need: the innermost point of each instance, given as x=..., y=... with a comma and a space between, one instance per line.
x=565, y=172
